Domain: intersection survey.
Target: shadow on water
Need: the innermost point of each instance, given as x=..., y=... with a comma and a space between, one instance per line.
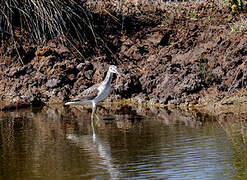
x=57, y=143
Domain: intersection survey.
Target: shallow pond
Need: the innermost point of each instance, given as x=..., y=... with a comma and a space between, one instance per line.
x=55, y=144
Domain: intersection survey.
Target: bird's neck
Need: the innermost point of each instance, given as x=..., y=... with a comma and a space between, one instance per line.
x=108, y=78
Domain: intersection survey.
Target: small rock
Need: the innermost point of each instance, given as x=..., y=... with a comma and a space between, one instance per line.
x=80, y=66
x=51, y=83
x=41, y=51
x=62, y=50
x=155, y=38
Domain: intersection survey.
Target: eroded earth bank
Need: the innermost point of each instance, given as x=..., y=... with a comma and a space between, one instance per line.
x=187, y=54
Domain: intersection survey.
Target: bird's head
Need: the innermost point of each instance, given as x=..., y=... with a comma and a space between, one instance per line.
x=113, y=69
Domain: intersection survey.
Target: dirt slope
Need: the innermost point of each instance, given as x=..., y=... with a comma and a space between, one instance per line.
x=189, y=53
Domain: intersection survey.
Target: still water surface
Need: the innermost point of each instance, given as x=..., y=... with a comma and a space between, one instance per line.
x=55, y=145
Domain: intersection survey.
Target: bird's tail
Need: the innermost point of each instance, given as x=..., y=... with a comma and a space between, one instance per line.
x=78, y=102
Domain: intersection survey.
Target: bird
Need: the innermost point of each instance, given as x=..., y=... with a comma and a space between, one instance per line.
x=98, y=92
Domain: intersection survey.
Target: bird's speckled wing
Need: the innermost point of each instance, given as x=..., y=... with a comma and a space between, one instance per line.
x=89, y=93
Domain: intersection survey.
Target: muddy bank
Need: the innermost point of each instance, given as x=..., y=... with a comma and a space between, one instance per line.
x=191, y=54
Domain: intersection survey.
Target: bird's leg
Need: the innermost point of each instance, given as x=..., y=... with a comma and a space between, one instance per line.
x=92, y=123
x=94, y=111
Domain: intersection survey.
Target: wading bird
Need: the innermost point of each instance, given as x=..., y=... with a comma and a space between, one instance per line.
x=96, y=93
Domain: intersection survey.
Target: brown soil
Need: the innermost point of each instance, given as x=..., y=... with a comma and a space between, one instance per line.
x=191, y=54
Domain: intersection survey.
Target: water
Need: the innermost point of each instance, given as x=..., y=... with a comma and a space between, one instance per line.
x=55, y=144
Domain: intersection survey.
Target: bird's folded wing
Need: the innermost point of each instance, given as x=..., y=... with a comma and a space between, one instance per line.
x=89, y=93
